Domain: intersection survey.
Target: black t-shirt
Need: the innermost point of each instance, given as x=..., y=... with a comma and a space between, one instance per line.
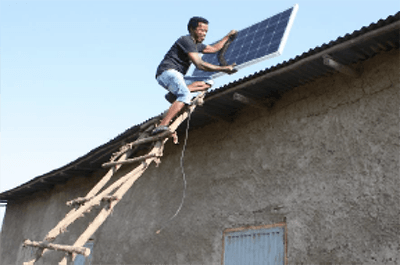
x=177, y=57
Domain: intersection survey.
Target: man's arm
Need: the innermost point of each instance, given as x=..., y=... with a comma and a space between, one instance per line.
x=202, y=65
x=218, y=46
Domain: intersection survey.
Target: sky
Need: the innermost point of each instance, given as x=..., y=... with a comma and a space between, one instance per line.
x=76, y=74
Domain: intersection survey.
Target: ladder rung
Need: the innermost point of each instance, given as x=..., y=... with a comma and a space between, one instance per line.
x=110, y=198
x=81, y=200
x=128, y=161
x=70, y=249
x=151, y=139
x=78, y=201
x=146, y=125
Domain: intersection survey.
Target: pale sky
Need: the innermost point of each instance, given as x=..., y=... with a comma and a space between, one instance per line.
x=75, y=74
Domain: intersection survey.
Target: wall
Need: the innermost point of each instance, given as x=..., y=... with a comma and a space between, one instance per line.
x=32, y=218
x=324, y=159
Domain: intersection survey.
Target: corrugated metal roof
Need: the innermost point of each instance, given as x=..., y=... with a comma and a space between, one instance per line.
x=219, y=104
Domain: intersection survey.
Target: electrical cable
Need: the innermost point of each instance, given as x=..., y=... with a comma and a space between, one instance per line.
x=183, y=174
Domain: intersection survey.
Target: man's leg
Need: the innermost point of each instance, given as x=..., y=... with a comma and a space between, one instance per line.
x=193, y=87
x=176, y=83
x=198, y=86
x=175, y=108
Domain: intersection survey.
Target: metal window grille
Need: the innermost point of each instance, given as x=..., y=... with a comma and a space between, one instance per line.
x=258, y=246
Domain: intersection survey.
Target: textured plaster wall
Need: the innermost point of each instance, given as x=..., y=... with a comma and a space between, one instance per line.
x=324, y=159
x=34, y=217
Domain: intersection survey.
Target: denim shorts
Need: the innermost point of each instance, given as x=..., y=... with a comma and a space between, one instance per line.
x=177, y=83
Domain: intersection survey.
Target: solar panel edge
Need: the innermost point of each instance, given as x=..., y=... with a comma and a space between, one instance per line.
x=244, y=65
x=288, y=28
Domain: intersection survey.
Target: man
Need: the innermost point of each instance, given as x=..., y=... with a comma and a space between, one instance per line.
x=170, y=73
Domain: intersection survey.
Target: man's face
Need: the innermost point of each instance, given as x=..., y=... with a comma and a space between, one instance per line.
x=200, y=32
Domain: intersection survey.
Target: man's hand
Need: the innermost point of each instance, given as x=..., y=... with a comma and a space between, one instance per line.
x=202, y=65
x=218, y=46
x=232, y=33
x=229, y=69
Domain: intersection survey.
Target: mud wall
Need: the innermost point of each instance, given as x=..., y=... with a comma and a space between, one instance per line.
x=324, y=160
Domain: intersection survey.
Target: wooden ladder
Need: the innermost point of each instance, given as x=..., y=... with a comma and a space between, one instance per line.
x=113, y=193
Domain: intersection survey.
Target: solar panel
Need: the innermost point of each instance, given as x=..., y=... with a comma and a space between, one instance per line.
x=256, y=43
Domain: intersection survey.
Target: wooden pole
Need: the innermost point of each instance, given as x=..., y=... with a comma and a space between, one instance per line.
x=131, y=178
x=122, y=186
x=344, y=69
x=127, y=161
x=87, y=206
x=72, y=215
x=151, y=139
x=247, y=101
x=70, y=249
x=105, y=212
x=61, y=226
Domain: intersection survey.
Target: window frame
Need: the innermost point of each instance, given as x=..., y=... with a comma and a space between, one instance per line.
x=228, y=231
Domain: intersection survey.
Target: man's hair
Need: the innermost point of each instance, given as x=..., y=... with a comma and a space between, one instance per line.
x=194, y=22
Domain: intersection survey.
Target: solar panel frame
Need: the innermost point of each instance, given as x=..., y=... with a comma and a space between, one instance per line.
x=262, y=46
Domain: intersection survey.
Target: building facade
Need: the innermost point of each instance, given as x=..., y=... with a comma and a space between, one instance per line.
x=305, y=174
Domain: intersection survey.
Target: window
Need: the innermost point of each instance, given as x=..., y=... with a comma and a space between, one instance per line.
x=81, y=259
x=262, y=245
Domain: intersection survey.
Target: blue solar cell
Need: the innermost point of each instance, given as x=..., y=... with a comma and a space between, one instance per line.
x=264, y=23
x=254, y=46
x=256, y=42
x=238, y=43
x=262, y=51
x=242, y=33
x=253, y=28
x=273, y=47
x=274, y=20
x=287, y=12
x=268, y=37
x=251, y=55
x=259, y=35
x=240, y=59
